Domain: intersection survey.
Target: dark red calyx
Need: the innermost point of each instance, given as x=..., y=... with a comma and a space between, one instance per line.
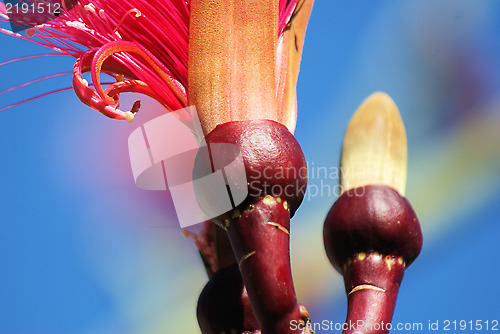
x=373, y=220
x=371, y=235
x=273, y=160
x=224, y=307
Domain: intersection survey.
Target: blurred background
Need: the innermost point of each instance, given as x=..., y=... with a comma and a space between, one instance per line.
x=83, y=251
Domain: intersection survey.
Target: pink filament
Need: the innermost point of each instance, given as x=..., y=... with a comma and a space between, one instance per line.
x=144, y=40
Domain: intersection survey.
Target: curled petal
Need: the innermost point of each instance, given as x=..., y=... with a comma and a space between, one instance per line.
x=136, y=86
x=104, y=100
x=129, y=86
x=112, y=48
x=89, y=97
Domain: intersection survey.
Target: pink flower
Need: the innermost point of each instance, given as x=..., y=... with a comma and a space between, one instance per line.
x=144, y=45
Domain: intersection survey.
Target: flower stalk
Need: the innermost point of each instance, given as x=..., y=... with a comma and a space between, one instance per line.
x=259, y=228
x=371, y=233
x=246, y=98
x=223, y=305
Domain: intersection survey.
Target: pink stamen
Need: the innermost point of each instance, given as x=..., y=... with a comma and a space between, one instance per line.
x=151, y=51
x=40, y=96
x=36, y=97
x=136, y=12
x=30, y=57
x=34, y=81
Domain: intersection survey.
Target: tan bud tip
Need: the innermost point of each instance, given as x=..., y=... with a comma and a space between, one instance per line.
x=374, y=150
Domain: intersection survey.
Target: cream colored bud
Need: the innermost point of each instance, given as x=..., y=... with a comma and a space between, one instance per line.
x=374, y=151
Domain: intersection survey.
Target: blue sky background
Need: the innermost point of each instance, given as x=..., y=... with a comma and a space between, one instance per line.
x=83, y=251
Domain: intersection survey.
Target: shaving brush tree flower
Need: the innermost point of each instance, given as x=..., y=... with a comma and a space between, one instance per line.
x=243, y=88
x=237, y=62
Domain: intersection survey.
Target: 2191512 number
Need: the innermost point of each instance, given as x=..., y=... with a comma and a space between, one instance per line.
x=471, y=325
x=33, y=8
